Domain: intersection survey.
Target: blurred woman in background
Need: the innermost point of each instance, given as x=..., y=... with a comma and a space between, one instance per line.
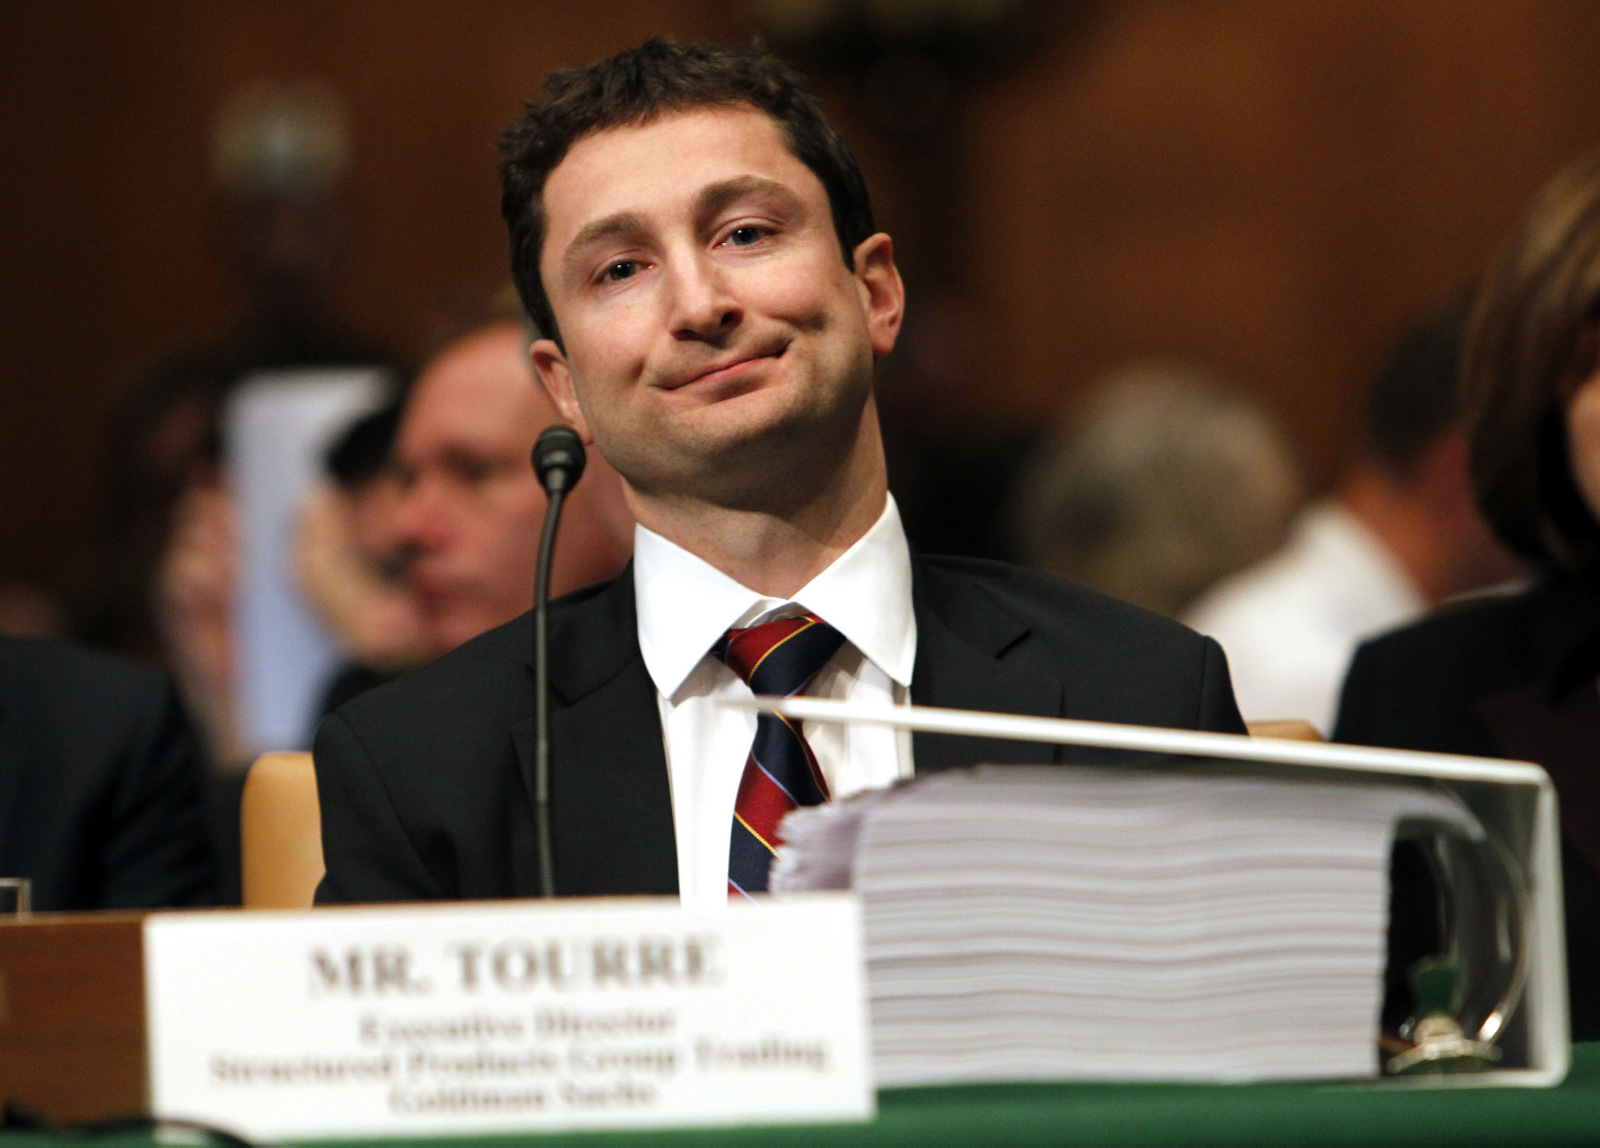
x=1518, y=675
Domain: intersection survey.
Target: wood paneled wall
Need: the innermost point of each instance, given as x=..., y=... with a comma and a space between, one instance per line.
x=110, y=253
x=1267, y=188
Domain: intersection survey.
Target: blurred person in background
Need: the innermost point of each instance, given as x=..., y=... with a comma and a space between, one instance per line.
x=472, y=508
x=426, y=536
x=350, y=561
x=1163, y=483
x=1514, y=675
x=348, y=566
x=27, y=611
x=1400, y=534
x=100, y=788
x=953, y=455
x=194, y=597
x=279, y=152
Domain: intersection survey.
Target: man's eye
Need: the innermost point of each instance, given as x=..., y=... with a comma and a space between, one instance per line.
x=617, y=272
x=745, y=236
x=471, y=471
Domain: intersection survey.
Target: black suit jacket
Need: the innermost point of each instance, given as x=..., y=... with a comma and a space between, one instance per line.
x=100, y=800
x=1505, y=677
x=425, y=783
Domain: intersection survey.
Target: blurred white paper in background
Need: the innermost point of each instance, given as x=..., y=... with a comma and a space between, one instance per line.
x=276, y=429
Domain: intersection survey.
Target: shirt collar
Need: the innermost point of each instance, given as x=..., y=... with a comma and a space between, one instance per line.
x=686, y=604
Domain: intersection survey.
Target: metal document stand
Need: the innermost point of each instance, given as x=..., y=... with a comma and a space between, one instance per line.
x=1514, y=800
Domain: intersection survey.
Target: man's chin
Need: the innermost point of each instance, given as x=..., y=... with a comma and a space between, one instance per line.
x=737, y=447
x=760, y=419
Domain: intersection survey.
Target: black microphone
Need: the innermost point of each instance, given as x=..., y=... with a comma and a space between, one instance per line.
x=558, y=461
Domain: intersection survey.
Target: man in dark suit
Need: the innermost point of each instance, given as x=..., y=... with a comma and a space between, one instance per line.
x=100, y=799
x=695, y=241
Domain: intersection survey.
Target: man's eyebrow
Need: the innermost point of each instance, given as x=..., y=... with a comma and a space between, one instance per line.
x=714, y=197
x=612, y=226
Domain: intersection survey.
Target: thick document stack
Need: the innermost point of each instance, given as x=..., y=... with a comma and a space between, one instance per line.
x=1120, y=923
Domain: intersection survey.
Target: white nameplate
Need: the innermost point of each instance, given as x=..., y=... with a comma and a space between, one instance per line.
x=508, y=1016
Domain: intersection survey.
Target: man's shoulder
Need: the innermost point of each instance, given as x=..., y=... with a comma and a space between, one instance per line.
x=78, y=716
x=1052, y=605
x=43, y=679
x=1002, y=632
x=462, y=681
x=486, y=682
x=55, y=661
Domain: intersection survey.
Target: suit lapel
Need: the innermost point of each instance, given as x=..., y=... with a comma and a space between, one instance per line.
x=970, y=656
x=610, y=802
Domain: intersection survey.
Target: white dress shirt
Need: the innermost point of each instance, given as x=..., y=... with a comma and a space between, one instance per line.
x=1291, y=623
x=685, y=606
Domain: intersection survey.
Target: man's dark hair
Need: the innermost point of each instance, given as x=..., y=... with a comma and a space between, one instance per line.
x=1416, y=397
x=362, y=452
x=657, y=78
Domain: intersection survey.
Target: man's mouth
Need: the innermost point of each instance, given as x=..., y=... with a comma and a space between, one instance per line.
x=432, y=591
x=726, y=370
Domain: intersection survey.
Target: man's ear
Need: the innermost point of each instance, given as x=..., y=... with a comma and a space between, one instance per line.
x=551, y=365
x=882, y=293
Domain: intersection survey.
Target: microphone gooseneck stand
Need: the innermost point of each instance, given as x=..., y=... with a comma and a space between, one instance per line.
x=558, y=461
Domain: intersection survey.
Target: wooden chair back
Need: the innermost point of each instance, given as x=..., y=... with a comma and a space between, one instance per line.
x=280, y=830
x=1289, y=729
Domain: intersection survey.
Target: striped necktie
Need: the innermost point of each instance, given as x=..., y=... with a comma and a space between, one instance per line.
x=778, y=658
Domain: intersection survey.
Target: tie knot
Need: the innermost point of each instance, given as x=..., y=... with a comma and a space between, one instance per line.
x=780, y=658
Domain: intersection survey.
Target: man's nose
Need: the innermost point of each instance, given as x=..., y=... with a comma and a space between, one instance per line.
x=704, y=305
x=421, y=520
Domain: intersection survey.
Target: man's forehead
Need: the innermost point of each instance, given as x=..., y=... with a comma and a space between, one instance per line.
x=620, y=170
x=483, y=385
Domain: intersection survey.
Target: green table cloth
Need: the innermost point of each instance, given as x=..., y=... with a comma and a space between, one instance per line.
x=1114, y=1114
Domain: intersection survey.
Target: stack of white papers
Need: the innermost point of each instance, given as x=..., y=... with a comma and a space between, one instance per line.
x=1122, y=923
